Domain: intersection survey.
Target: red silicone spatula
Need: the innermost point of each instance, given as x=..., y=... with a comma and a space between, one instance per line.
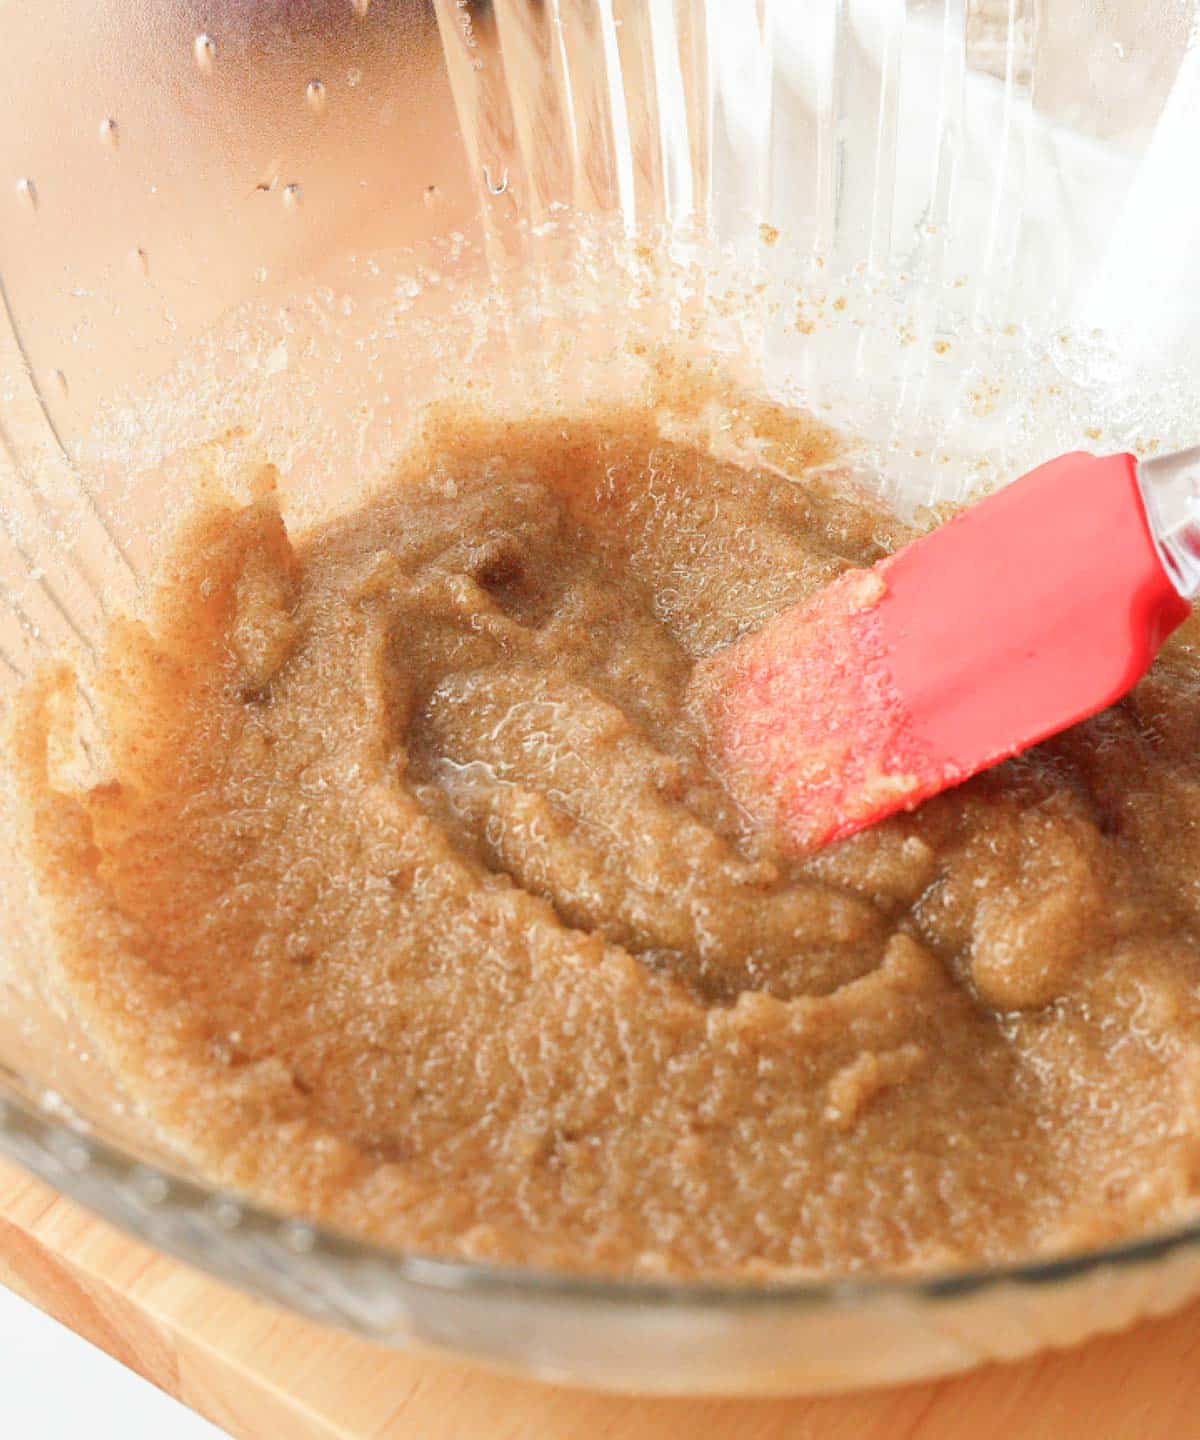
x=1029, y=611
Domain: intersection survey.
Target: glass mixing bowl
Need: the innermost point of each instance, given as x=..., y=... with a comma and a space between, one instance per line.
x=957, y=226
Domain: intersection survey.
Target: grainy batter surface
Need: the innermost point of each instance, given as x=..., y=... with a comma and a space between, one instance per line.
x=411, y=902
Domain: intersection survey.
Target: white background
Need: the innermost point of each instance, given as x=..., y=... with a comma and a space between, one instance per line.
x=55, y=1386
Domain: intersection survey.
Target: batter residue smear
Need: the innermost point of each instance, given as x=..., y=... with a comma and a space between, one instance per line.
x=412, y=903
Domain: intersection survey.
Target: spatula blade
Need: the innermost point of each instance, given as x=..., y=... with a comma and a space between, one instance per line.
x=1031, y=610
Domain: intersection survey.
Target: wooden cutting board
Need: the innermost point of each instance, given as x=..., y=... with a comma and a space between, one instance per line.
x=264, y=1375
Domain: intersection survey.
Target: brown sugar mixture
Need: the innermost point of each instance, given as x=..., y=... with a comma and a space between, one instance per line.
x=412, y=904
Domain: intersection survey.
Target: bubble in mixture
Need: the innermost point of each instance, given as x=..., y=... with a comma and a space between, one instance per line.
x=204, y=50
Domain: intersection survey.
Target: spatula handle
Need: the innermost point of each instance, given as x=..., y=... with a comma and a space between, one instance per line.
x=1171, y=492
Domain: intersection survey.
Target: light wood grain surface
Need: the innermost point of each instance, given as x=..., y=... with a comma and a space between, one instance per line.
x=264, y=1375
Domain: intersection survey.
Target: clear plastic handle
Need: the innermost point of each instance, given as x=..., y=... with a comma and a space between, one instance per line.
x=1171, y=492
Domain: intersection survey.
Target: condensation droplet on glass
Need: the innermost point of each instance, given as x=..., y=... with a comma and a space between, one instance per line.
x=291, y=196
x=298, y=1236
x=27, y=191
x=75, y=1157
x=360, y=7
x=261, y=274
x=353, y=77
x=1119, y=50
x=495, y=187
x=110, y=133
x=204, y=48
x=152, y=1188
x=314, y=93
x=476, y=63
x=60, y=383
x=227, y=1213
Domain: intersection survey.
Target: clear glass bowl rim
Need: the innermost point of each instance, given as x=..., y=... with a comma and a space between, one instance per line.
x=23, y=1125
